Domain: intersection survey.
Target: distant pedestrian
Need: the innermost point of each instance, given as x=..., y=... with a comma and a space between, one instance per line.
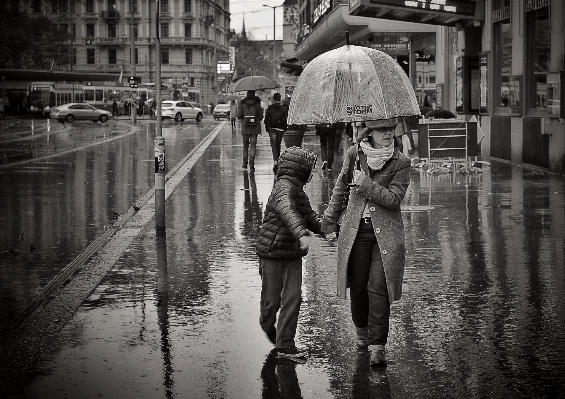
x=115, y=111
x=126, y=107
x=251, y=114
x=283, y=241
x=275, y=124
x=327, y=133
x=233, y=113
x=371, y=243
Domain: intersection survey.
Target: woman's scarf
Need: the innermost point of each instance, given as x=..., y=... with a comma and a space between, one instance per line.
x=376, y=157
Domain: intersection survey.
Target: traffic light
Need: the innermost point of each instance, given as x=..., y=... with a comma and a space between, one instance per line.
x=134, y=81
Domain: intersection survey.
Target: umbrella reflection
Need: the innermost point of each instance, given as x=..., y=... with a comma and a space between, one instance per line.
x=279, y=378
x=163, y=317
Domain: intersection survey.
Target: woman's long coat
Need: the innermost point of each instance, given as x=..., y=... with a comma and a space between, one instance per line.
x=385, y=190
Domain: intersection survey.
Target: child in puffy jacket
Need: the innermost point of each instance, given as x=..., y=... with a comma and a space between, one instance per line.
x=284, y=240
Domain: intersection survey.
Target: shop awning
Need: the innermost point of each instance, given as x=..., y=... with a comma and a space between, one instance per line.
x=433, y=12
x=330, y=33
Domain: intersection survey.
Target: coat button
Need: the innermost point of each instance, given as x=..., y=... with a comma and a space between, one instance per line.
x=378, y=230
x=383, y=252
x=372, y=209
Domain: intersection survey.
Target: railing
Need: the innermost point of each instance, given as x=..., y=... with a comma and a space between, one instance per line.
x=110, y=41
x=110, y=14
x=199, y=41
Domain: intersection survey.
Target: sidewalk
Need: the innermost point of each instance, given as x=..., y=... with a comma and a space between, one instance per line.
x=178, y=317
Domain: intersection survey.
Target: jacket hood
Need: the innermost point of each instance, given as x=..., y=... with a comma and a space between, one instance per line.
x=296, y=162
x=251, y=100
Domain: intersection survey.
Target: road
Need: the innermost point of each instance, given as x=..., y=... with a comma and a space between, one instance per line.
x=481, y=314
x=83, y=176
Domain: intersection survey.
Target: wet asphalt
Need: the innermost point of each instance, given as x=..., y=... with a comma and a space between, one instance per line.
x=481, y=317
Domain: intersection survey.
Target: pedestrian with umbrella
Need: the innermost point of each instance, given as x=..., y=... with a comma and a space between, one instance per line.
x=233, y=113
x=361, y=85
x=250, y=113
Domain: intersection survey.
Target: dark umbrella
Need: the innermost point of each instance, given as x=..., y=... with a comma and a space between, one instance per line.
x=260, y=82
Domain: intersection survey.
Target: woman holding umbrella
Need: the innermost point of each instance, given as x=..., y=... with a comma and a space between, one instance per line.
x=371, y=250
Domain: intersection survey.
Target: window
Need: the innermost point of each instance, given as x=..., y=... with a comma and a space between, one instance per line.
x=112, y=56
x=36, y=6
x=164, y=30
x=135, y=31
x=502, y=57
x=89, y=5
x=539, y=46
x=99, y=95
x=60, y=6
x=88, y=95
x=187, y=30
x=89, y=30
x=64, y=28
x=112, y=31
x=191, y=83
x=74, y=33
x=164, y=56
x=90, y=56
x=74, y=59
x=111, y=5
x=136, y=56
x=188, y=56
x=135, y=6
x=164, y=5
x=187, y=5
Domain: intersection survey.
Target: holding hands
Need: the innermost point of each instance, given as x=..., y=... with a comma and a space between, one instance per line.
x=358, y=176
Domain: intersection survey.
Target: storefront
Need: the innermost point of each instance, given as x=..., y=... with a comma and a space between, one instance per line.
x=526, y=119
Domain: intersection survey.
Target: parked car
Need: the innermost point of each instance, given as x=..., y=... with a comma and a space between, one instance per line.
x=79, y=111
x=180, y=110
x=222, y=111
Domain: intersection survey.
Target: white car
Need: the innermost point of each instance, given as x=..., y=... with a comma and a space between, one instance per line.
x=222, y=111
x=79, y=111
x=180, y=110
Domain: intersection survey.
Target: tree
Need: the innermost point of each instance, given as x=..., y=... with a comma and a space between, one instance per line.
x=248, y=58
x=31, y=42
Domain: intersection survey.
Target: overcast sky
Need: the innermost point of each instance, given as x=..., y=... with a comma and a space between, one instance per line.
x=258, y=19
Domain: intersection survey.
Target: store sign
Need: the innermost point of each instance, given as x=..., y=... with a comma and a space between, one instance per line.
x=501, y=14
x=532, y=5
x=321, y=9
x=461, y=7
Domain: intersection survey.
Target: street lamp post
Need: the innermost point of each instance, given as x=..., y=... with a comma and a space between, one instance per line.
x=274, y=41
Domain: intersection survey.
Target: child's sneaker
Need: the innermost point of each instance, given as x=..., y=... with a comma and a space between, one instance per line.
x=291, y=352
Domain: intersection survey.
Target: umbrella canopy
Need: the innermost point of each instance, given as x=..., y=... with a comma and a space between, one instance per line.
x=352, y=84
x=232, y=97
x=254, y=83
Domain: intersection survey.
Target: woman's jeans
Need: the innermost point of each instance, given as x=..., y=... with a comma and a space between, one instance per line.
x=249, y=146
x=281, y=289
x=370, y=305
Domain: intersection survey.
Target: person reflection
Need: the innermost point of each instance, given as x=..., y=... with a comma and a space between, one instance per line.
x=279, y=378
x=369, y=382
x=252, y=210
x=163, y=315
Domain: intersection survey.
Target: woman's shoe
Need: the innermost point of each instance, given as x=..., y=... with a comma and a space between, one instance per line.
x=378, y=357
x=362, y=337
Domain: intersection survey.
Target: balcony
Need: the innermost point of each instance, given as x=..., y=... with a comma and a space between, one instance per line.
x=111, y=41
x=194, y=41
x=110, y=15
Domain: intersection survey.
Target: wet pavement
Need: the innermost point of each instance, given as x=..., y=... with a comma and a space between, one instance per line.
x=84, y=177
x=482, y=312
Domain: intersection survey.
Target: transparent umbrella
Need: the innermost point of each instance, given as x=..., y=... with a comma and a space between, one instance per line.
x=352, y=84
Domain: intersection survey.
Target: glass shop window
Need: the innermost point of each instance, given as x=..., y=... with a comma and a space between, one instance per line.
x=539, y=48
x=503, y=63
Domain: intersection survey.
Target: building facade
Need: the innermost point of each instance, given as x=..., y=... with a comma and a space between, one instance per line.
x=193, y=34
x=500, y=61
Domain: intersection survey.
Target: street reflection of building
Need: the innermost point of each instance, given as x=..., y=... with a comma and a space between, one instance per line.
x=501, y=60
